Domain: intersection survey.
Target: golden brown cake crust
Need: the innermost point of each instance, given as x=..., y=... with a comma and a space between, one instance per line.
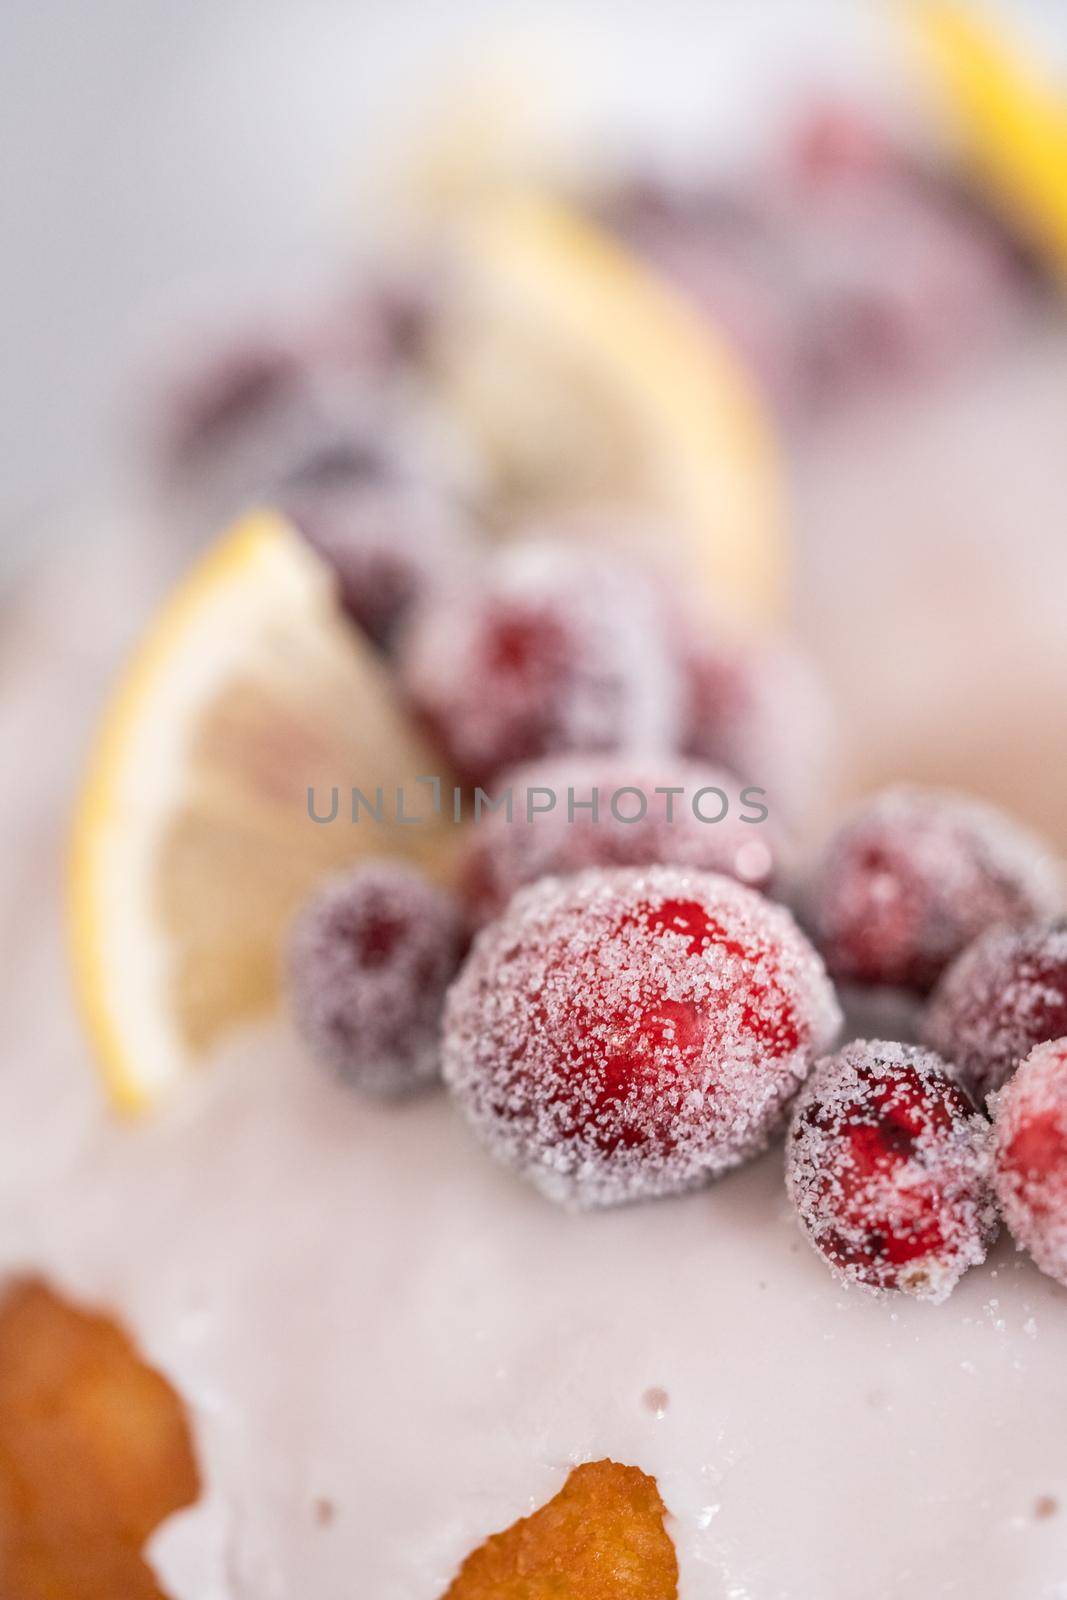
x=601, y=1538
x=95, y=1450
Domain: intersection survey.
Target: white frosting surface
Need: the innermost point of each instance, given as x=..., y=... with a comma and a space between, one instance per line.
x=361, y=1308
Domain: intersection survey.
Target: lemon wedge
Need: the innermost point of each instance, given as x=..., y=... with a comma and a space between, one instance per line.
x=194, y=841
x=585, y=380
x=1011, y=116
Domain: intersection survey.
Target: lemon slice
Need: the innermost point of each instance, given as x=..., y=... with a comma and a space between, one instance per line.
x=585, y=380
x=194, y=841
x=1012, y=118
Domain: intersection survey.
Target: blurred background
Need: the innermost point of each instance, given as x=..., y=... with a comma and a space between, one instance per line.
x=154, y=152
x=160, y=162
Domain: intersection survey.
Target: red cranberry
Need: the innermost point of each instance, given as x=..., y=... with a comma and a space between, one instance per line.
x=836, y=142
x=243, y=407
x=381, y=324
x=1004, y=994
x=637, y=823
x=1030, y=1155
x=559, y=647
x=913, y=876
x=888, y=1167
x=369, y=961
x=229, y=387
x=628, y=1033
x=898, y=278
x=391, y=543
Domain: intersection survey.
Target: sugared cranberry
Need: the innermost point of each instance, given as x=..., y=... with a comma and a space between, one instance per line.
x=913, y=876
x=1004, y=994
x=369, y=961
x=1030, y=1155
x=392, y=543
x=558, y=647
x=380, y=323
x=242, y=405
x=674, y=812
x=835, y=141
x=241, y=412
x=897, y=277
x=761, y=711
x=228, y=387
x=628, y=1033
x=887, y=1163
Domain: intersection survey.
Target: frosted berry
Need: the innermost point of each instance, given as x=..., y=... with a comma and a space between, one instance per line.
x=836, y=142
x=558, y=647
x=380, y=324
x=913, y=876
x=637, y=823
x=761, y=711
x=227, y=388
x=887, y=1163
x=392, y=543
x=900, y=276
x=370, y=959
x=1030, y=1155
x=241, y=405
x=1004, y=994
x=633, y=1032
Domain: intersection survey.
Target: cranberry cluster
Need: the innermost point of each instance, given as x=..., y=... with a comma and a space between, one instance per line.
x=630, y=1023
x=636, y=1013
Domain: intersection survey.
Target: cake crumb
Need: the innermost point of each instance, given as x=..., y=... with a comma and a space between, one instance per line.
x=324, y=1511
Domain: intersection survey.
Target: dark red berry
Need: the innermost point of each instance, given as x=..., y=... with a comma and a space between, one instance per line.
x=645, y=815
x=369, y=961
x=897, y=277
x=229, y=388
x=1004, y=994
x=887, y=1164
x=913, y=876
x=557, y=647
x=1030, y=1155
x=627, y=1033
x=392, y=544
x=835, y=142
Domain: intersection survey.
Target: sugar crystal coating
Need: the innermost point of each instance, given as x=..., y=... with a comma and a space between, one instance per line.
x=1004, y=994
x=647, y=812
x=222, y=387
x=557, y=647
x=913, y=875
x=900, y=274
x=887, y=1164
x=633, y=1032
x=391, y=543
x=369, y=961
x=1030, y=1155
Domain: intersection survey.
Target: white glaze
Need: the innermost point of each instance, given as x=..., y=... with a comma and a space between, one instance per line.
x=360, y=1306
